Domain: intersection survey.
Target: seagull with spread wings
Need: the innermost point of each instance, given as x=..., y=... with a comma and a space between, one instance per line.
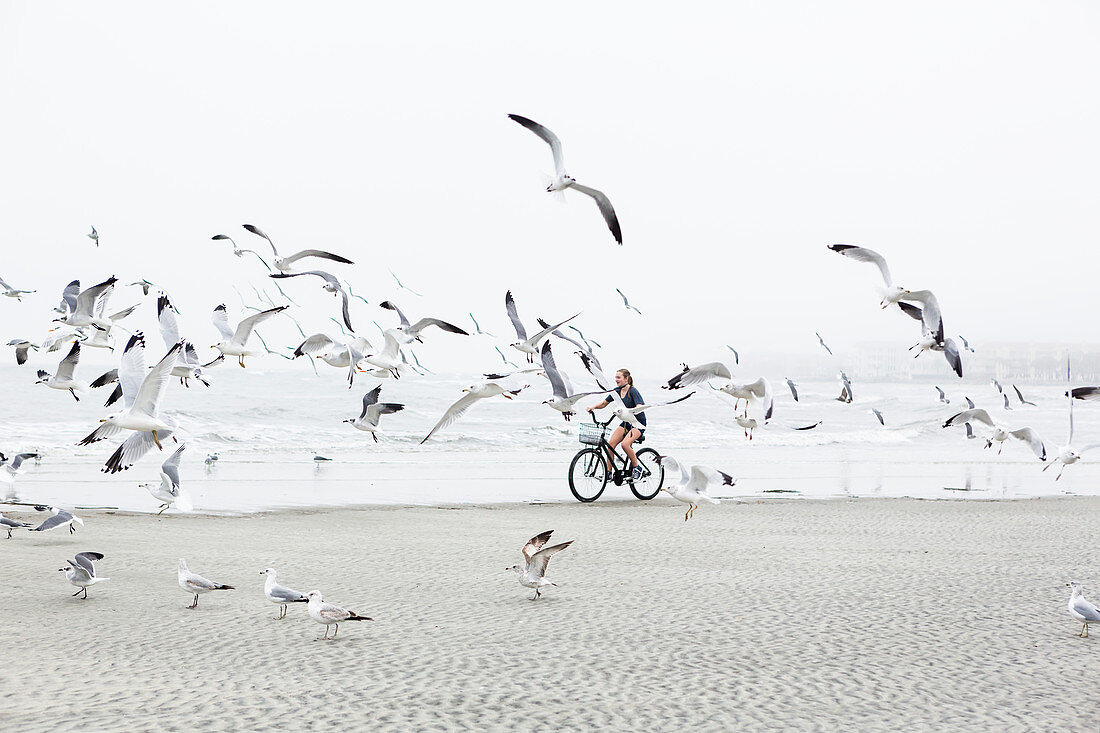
x=65, y=379
x=563, y=402
x=81, y=571
x=406, y=333
x=561, y=181
x=529, y=346
x=694, y=480
x=626, y=302
x=11, y=292
x=892, y=294
x=536, y=556
x=168, y=490
x=239, y=252
x=188, y=366
x=283, y=264
x=463, y=404
x=373, y=411
x=234, y=342
x=332, y=285
x=1000, y=433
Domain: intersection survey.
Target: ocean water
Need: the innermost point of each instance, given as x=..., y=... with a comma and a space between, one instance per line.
x=267, y=424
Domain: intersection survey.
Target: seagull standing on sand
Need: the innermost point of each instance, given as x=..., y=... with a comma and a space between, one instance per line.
x=692, y=488
x=532, y=574
x=280, y=594
x=1082, y=610
x=192, y=583
x=60, y=518
x=562, y=181
x=373, y=411
x=330, y=614
x=464, y=403
x=81, y=571
x=283, y=264
x=233, y=343
x=168, y=490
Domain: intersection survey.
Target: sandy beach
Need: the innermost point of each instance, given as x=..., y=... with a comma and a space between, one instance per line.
x=866, y=614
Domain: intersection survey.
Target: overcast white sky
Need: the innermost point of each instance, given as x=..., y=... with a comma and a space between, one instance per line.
x=736, y=140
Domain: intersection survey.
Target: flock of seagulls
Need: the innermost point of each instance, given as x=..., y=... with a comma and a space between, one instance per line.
x=84, y=320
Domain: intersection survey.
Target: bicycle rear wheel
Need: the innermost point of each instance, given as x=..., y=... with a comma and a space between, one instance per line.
x=587, y=475
x=653, y=475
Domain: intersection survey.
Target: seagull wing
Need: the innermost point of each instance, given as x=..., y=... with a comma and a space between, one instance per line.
x=68, y=297
x=911, y=310
x=931, y=317
x=1089, y=394
x=951, y=353
x=549, y=138
x=423, y=323
x=86, y=561
x=131, y=370
x=388, y=305
x=171, y=467
x=455, y=411
x=510, y=305
x=256, y=230
x=643, y=408
x=862, y=254
x=86, y=302
x=316, y=253
x=68, y=365
x=56, y=520
x=703, y=476
x=1033, y=441
x=220, y=320
x=700, y=374
x=537, y=564
x=152, y=387
x=166, y=318
x=316, y=344
x=546, y=331
x=976, y=415
x=131, y=450
x=552, y=373
x=369, y=399
x=244, y=328
x=535, y=544
x=604, y=204
x=594, y=369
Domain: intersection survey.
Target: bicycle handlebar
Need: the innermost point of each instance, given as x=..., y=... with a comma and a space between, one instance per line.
x=601, y=424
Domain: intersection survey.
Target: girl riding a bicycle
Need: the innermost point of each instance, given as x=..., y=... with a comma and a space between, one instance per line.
x=625, y=434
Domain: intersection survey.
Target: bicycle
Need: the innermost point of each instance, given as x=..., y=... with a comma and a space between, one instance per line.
x=588, y=473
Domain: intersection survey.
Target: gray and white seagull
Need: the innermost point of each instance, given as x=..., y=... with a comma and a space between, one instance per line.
x=283, y=264
x=280, y=594
x=529, y=346
x=532, y=574
x=563, y=402
x=373, y=411
x=81, y=571
x=561, y=180
x=332, y=285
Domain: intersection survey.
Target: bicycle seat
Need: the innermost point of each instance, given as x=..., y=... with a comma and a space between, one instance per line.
x=640, y=440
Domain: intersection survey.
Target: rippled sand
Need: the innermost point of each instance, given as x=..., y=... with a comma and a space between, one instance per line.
x=800, y=615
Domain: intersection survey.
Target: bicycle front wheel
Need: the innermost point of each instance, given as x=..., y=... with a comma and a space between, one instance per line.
x=587, y=475
x=653, y=475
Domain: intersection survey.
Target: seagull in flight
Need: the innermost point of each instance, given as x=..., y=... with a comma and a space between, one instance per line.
x=407, y=333
x=234, y=342
x=562, y=181
x=966, y=344
x=402, y=286
x=68, y=298
x=81, y=571
x=11, y=292
x=65, y=379
x=1067, y=454
x=94, y=236
x=332, y=285
x=188, y=365
x=283, y=264
x=736, y=356
x=477, y=327
x=238, y=251
x=694, y=480
x=10, y=524
x=893, y=293
x=627, y=302
x=536, y=556
x=1020, y=396
x=883, y=422
x=60, y=518
x=505, y=358
x=823, y=344
x=1000, y=433
x=943, y=397
x=528, y=346
x=168, y=490
x=563, y=402
x=463, y=404
x=373, y=411
x=792, y=387
x=932, y=338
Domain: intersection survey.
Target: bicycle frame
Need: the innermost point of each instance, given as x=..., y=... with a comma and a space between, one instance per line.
x=605, y=448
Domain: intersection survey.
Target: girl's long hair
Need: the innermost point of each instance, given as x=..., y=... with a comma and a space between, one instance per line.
x=626, y=373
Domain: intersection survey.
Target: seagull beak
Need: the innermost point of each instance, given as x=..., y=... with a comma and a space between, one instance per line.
x=103, y=420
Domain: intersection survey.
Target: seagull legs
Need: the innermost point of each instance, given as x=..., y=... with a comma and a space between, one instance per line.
x=282, y=613
x=335, y=631
x=72, y=529
x=82, y=590
x=163, y=509
x=195, y=604
x=1084, y=632
x=157, y=440
x=240, y=360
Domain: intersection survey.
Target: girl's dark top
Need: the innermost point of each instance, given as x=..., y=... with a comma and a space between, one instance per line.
x=633, y=399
